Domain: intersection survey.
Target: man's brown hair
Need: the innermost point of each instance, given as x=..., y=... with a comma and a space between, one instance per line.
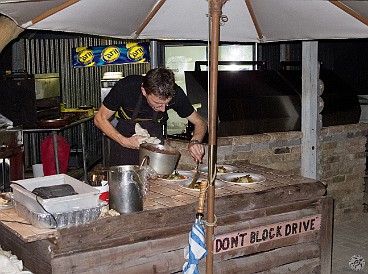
x=160, y=82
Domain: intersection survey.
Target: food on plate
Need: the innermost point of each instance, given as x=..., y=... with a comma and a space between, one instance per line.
x=196, y=185
x=243, y=179
x=175, y=176
x=4, y=199
x=221, y=169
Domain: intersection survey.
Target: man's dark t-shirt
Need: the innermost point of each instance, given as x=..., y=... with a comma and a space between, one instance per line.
x=124, y=96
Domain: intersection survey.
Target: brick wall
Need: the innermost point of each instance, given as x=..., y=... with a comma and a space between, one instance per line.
x=342, y=167
x=341, y=158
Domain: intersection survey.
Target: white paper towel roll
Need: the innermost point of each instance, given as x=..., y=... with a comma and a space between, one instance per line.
x=37, y=170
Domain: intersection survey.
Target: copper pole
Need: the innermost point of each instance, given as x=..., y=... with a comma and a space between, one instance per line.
x=215, y=13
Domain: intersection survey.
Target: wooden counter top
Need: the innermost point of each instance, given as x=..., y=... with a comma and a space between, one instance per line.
x=165, y=194
x=163, y=226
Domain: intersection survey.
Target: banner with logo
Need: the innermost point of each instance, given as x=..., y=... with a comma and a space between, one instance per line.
x=111, y=55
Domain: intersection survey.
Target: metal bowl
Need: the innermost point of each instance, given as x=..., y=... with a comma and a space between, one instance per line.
x=162, y=158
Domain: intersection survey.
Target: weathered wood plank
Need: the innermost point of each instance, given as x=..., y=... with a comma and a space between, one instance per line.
x=159, y=256
x=301, y=267
x=268, y=260
x=110, y=231
x=126, y=229
x=269, y=197
x=162, y=255
x=271, y=211
x=91, y=239
x=326, y=234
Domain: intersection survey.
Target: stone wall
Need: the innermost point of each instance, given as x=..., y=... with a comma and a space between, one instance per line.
x=341, y=158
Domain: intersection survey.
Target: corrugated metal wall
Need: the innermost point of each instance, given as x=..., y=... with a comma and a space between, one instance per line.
x=79, y=86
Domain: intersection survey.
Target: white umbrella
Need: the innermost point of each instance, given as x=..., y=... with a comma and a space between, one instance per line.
x=247, y=20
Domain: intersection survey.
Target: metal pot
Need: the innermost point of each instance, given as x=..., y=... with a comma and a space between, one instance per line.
x=125, y=187
x=162, y=158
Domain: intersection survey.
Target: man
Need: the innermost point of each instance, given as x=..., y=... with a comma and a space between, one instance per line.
x=145, y=100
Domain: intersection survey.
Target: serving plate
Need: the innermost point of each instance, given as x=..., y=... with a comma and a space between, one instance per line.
x=6, y=200
x=186, y=173
x=228, y=168
x=186, y=183
x=232, y=177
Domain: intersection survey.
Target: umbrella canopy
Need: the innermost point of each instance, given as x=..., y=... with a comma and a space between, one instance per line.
x=246, y=20
x=240, y=20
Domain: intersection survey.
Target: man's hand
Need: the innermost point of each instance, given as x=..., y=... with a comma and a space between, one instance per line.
x=196, y=149
x=132, y=142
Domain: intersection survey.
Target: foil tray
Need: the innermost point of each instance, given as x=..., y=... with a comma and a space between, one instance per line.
x=58, y=220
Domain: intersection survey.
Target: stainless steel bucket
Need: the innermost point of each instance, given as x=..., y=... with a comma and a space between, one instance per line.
x=125, y=184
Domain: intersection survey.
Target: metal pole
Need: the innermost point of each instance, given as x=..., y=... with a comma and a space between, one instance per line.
x=34, y=148
x=215, y=13
x=83, y=134
x=56, y=152
x=154, y=54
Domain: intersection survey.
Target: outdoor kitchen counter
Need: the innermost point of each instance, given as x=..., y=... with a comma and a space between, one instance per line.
x=285, y=220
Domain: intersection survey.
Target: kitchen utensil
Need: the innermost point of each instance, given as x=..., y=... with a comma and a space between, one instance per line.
x=125, y=187
x=162, y=158
x=195, y=177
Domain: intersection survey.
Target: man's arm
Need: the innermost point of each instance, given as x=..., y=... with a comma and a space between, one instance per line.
x=195, y=147
x=103, y=123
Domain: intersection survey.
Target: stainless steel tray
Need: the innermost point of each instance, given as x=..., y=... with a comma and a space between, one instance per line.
x=58, y=220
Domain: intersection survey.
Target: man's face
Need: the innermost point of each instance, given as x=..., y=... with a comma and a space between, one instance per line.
x=156, y=102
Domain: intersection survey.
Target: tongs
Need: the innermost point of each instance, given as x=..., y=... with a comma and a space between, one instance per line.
x=195, y=177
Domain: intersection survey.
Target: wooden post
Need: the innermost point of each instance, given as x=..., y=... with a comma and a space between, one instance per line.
x=310, y=128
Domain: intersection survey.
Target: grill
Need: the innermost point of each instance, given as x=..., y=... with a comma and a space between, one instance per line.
x=27, y=98
x=260, y=101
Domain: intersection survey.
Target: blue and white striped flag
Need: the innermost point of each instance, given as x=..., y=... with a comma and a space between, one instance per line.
x=196, y=249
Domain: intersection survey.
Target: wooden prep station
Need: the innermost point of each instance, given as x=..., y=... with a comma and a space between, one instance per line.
x=283, y=224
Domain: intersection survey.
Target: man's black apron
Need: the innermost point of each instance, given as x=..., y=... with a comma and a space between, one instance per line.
x=120, y=155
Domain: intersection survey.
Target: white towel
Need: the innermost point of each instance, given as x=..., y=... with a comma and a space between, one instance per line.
x=11, y=265
x=147, y=138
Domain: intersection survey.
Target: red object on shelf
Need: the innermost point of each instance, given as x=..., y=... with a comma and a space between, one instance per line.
x=48, y=156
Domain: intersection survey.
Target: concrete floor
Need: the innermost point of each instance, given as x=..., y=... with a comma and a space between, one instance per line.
x=350, y=238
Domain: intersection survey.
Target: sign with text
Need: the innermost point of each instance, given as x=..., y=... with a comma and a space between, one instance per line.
x=111, y=55
x=257, y=235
